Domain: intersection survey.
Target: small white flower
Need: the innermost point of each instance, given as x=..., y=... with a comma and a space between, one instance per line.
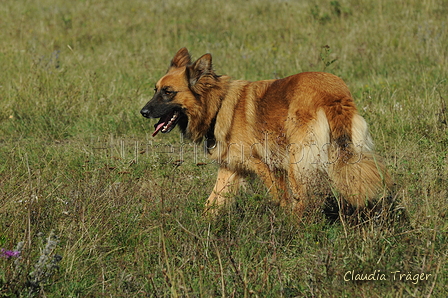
x=398, y=107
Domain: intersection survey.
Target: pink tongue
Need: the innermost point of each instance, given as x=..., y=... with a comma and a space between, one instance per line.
x=158, y=128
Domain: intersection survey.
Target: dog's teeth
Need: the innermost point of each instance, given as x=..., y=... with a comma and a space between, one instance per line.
x=169, y=123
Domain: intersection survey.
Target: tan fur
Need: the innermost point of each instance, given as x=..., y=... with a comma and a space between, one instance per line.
x=295, y=133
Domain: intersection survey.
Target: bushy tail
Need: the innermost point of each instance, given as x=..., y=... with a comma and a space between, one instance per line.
x=358, y=174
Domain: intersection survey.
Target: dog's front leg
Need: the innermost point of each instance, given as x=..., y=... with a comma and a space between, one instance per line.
x=274, y=180
x=225, y=188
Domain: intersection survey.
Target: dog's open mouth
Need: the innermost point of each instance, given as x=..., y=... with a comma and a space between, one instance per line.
x=167, y=122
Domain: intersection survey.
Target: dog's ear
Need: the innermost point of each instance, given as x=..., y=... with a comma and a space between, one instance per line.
x=182, y=58
x=199, y=68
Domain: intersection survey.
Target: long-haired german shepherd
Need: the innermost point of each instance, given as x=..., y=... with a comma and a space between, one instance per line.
x=297, y=134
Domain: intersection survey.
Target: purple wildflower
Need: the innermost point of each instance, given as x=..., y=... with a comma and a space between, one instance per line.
x=9, y=253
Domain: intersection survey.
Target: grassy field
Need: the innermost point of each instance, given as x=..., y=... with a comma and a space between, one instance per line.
x=98, y=208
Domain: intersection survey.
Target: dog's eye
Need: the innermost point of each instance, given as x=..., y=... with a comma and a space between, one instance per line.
x=167, y=94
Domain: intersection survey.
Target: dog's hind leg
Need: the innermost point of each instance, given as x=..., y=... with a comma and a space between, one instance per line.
x=299, y=175
x=307, y=157
x=224, y=190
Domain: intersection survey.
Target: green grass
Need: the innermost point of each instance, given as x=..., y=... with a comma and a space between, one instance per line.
x=78, y=159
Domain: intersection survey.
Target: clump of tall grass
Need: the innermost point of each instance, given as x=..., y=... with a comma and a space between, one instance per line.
x=46, y=266
x=18, y=274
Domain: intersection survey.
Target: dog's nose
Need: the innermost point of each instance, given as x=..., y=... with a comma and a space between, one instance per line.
x=145, y=112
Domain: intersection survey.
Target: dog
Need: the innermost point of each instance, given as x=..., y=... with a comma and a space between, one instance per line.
x=297, y=134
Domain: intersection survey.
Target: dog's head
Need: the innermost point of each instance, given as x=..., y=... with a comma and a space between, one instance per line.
x=179, y=95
